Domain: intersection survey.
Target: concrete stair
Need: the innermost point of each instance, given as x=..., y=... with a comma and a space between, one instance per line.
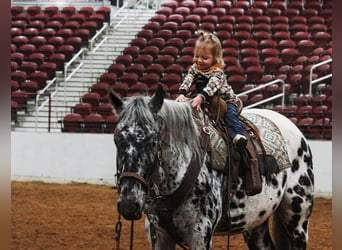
x=69, y=93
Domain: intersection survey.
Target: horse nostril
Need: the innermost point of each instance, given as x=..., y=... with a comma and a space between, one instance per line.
x=130, y=210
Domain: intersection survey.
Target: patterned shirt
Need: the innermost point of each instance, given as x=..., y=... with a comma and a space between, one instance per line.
x=216, y=83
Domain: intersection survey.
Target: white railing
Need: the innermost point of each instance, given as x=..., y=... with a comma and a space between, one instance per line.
x=267, y=99
x=97, y=35
x=79, y=55
x=44, y=92
x=318, y=79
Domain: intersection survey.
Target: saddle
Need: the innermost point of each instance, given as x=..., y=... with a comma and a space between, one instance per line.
x=250, y=162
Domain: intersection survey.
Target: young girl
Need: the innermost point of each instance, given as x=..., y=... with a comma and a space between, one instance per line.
x=208, y=65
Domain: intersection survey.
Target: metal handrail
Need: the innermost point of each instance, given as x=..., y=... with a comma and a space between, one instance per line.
x=103, y=29
x=44, y=92
x=318, y=79
x=79, y=53
x=267, y=99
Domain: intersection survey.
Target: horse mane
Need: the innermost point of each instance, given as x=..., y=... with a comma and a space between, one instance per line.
x=178, y=126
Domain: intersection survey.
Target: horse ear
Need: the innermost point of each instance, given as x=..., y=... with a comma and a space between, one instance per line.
x=157, y=100
x=115, y=100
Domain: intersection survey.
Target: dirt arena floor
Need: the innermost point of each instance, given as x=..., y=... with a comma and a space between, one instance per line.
x=83, y=216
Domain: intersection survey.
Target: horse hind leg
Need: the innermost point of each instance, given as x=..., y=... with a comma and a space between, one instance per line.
x=259, y=238
x=290, y=221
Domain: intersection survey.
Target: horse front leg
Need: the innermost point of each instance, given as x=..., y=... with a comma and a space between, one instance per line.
x=159, y=240
x=202, y=235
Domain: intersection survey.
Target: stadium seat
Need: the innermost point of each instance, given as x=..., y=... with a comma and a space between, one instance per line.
x=111, y=122
x=62, y=18
x=68, y=11
x=171, y=79
x=150, y=50
x=138, y=89
x=166, y=11
x=82, y=108
x=170, y=4
x=155, y=68
x=38, y=41
x=129, y=78
x=166, y=34
x=189, y=4
x=174, y=68
x=50, y=11
x=146, y=60
x=120, y=88
x=177, y=18
x=67, y=51
x=136, y=68
x=154, y=26
x=125, y=59
x=19, y=76
x=185, y=61
x=91, y=26
x=94, y=123
x=72, y=123
x=109, y=78
x=158, y=42
x=117, y=68
x=206, y=4
x=248, y=43
x=15, y=10
x=86, y=11
x=160, y=18
x=101, y=88
x=165, y=60
x=150, y=79
x=237, y=82
x=29, y=67
x=139, y=42
x=92, y=98
x=105, y=109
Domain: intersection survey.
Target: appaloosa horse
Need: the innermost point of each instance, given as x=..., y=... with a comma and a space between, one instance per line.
x=159, y=141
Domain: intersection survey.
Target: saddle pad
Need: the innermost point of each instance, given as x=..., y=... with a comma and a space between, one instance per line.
x=272, y=139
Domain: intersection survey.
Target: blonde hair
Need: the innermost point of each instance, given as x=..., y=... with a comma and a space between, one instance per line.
x=209, y=40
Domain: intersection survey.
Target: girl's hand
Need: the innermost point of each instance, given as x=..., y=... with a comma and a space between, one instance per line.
x=196, y=102
x=180, y=98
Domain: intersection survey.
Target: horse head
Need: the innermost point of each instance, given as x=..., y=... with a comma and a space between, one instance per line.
x=136, y=140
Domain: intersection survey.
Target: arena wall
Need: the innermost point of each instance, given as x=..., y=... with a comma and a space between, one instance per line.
x=90, y=158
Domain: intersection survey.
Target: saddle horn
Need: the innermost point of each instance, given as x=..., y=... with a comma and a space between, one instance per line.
x=115, y=100
x=157, y=100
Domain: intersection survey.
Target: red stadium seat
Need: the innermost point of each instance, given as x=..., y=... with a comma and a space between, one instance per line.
x=82, y=108
x=155, y=68
x=136, y=68
x=109, y=78
x=87, y=11
x=138, y=89
x=94, y=123
x=146, y=60
x=72, y=123
x=101, y=88
x=174, y=68
x=38, y=41
x=50, y=10
x=129, y=78
x=139, y=42
x=92, y=98
x=111, y=122
x=125, y=59
x=105, y=109
x=120, y=88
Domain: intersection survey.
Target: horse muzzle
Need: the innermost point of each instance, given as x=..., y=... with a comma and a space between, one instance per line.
x=130, y=209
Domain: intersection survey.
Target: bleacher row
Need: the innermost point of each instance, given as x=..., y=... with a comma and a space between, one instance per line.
x=262, y=41
x=42, y=40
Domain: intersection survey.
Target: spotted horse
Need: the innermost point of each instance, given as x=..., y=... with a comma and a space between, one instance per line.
x=158, y=142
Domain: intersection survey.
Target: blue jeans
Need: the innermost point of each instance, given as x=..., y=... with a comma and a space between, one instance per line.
x=232, y=121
